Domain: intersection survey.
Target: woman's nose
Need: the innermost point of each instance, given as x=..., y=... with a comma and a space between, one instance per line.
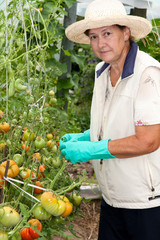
x=101, y=42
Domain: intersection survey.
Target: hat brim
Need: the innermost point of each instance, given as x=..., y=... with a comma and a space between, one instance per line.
x=139, y=27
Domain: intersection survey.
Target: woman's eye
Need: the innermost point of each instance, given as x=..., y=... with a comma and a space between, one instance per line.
x=107, y=34
x=92, y=37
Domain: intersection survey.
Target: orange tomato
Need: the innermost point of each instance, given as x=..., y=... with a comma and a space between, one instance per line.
x=49, y=136
x=41, y=169
x=23, y=139
x=4, y=127
x=47, y=105
x=13, y=169
x=25, y=147
x=37, y=190
x=1, y=114
x=68, y=210
x=36, y=156
x=50, y=144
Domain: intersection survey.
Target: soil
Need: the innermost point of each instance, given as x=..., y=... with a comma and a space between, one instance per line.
x=86, y=225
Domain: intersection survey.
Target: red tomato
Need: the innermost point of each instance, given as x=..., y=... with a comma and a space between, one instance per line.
x=37, y=190
x=38, y=224
x=41, y=169
x=25, y=234
x=25, y=147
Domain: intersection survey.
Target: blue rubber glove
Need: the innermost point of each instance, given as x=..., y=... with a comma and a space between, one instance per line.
x=85, y=136
x=82, y=151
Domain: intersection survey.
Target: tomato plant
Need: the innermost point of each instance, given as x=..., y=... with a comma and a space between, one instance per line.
x=34, y=119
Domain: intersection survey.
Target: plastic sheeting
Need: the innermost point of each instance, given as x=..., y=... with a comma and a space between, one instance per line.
x=82, y=5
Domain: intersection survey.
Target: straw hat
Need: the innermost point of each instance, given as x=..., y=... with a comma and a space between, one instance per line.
x=100, y=13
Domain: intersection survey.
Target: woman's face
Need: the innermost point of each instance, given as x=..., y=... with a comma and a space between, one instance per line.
x=109, y=43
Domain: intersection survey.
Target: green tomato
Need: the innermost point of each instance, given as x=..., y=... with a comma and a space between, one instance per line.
x=51, y=93
x=40, y=213
x=30, y=114
x=16, y=236
x=47, y=160
x=58, y=219
x=27, y=135
x=45, y=152
x=11, y=89
x=75, y=199
x=39, y=143
x=3, y=236
x=46, y=120
x=29, y=99
x=24, y=114
x=19, y=85
x=14, y=121
x=52, y=205
x=18, y=159
x=54, y=149
x=9, y=217
x=52, y=100
x=56, y=162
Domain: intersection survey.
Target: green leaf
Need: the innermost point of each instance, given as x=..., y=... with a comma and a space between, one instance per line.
x=79, y=59
x=24, y=210
x=56, y=68
x=64, y=83
x=71, y=229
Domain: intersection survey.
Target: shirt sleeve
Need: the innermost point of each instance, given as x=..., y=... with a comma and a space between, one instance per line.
x=147, y=104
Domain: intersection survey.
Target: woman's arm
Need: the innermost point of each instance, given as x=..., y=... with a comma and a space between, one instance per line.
x=145, y=140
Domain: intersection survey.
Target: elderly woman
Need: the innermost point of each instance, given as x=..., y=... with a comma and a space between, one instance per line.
x=124, y=136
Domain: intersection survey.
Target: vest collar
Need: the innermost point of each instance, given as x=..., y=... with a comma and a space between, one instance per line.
x=128, y=65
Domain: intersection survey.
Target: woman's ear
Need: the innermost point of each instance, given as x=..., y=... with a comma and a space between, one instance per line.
x=127, y=34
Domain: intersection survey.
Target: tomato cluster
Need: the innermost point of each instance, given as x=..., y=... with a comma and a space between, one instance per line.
x=33, y=161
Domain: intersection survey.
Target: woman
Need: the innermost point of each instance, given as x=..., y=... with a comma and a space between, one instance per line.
x=124, y=137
